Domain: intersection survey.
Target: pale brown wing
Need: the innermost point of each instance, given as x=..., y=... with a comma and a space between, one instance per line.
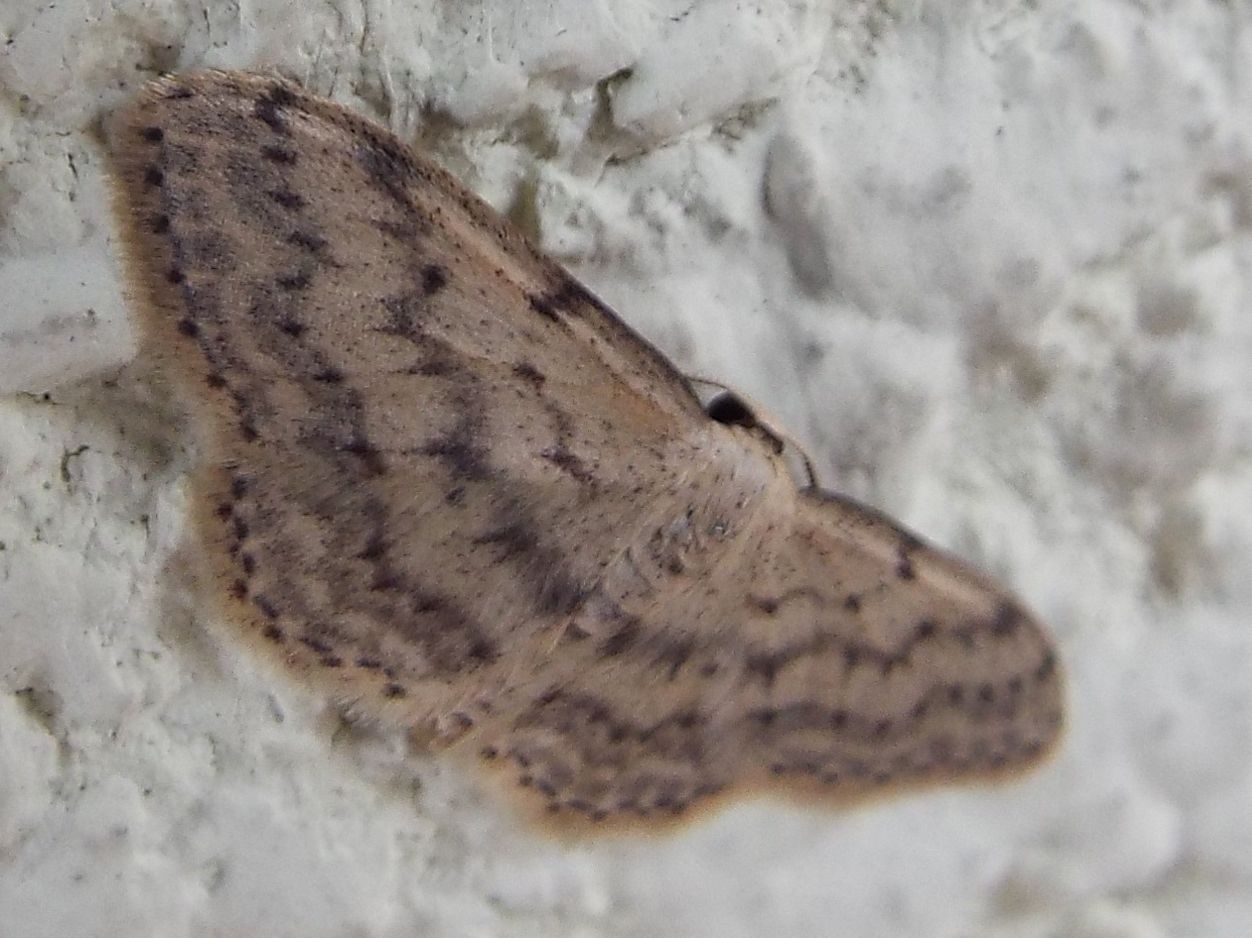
x=891, y=661
x=807, y=645
x=450, y=486
x=423, y=437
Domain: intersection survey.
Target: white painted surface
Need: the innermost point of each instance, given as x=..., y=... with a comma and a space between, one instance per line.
x=994, y=266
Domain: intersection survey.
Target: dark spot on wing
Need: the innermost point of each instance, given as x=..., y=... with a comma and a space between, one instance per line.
x=387, y=168
x=269, y=107
x=462, y=455
x=405, y=232
x=287, y=199
x=543, y=306
x=277, y=154
x=371, y=459
x=529, y=373
x=329, y=376
x=763, y=667
x=1007, y=620
x=308, y=241
x=268, y=609
x=434, y=279
x=481, y=650
x=281, y=95
x=904, y=563
x=514, y=538
x=571, y=295
x=375, y=547
x=561, y=457
x=298, y=280
x=315, y=644
x=674, y=655
x=622, y=639
x=1046, y=667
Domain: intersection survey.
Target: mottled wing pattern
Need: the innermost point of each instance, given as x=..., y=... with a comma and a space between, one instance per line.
x=415, y=418
x=446, y=483
x=811, y=647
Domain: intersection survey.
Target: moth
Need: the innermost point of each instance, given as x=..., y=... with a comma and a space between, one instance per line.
x=444, y=484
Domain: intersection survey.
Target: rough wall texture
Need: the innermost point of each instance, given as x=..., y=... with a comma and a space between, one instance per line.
x=994, y=267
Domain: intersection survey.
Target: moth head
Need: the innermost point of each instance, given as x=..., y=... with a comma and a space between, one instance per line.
x=727, y=407
x=730, y=409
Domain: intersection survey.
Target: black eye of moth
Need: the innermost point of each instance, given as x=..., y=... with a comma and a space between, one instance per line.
x=730, y=409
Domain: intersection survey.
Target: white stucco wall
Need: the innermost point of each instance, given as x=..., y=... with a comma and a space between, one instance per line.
x=991, y=261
